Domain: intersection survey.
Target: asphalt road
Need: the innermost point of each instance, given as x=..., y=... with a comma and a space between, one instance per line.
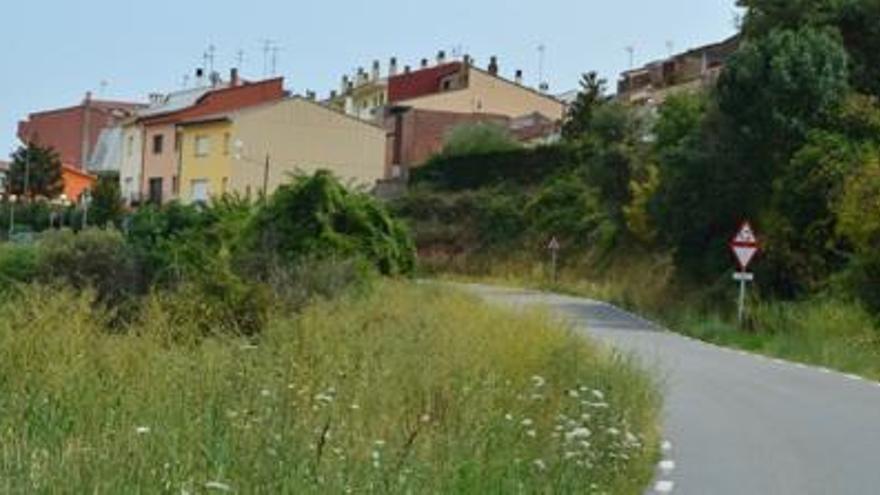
x=737, y=423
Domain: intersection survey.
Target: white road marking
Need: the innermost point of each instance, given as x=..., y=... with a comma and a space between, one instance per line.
x=664, y=486
x=667, y=466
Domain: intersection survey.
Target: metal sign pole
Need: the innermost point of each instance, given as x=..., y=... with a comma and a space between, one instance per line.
x=742, y=300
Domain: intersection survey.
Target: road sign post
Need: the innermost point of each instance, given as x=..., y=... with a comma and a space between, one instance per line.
x=744, y=247
x=554, y=248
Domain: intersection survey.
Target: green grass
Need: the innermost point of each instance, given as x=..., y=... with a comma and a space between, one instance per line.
x=408, y=389
x=823, y=332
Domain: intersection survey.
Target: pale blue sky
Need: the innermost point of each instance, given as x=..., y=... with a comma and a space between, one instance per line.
x=56, y=50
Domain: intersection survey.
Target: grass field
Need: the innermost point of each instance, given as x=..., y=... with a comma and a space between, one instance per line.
x=408, y=389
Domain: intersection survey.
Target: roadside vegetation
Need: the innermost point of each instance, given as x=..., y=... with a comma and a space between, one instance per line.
x=644, y=203
x=279, y=346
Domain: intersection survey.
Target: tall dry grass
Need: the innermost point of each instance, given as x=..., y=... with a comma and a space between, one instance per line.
x=410, y=389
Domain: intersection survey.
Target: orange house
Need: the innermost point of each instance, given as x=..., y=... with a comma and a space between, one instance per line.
x=76, y=182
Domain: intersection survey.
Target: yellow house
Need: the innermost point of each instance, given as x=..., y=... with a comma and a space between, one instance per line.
x=205, y=158
x=261, y=147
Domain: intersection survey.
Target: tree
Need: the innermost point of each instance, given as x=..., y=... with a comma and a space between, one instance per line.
x=591, y=95
x=776, y=88
x=36, y=168
x=107, y=205
x=854, y=20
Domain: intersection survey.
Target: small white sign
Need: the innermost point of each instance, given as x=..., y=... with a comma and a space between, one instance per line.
x=554, y=245
x=744, y=277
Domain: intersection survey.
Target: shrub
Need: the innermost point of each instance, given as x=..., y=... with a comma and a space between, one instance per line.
x=478, y=139
x=317, y=217
x=18, y=264
x=92, y=259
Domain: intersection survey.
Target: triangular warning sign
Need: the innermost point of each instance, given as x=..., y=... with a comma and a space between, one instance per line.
x=746, y=235
x=745, y=255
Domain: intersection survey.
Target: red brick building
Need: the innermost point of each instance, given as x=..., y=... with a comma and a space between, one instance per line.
x=415, y=135
x=73, y=131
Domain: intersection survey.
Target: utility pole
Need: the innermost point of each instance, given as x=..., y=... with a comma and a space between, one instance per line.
x=266, y=179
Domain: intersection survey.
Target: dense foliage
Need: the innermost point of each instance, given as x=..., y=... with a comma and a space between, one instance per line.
x=788, y=138
x=35, y=171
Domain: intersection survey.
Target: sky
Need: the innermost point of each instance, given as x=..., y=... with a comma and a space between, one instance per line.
x=54, y=51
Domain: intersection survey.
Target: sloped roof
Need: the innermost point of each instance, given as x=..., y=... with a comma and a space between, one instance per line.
x=107, y=155
x=176, y=101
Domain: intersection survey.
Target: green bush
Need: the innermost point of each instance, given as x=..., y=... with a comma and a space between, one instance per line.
x=318, y=217
x=92, y=259
x=18, y=264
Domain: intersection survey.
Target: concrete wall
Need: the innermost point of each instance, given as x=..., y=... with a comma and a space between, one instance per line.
x=489, y=94
x=214, y=167
x=303, y=136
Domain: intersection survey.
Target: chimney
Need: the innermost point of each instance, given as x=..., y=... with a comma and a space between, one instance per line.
x=344, y=86
x=377, y=68
x=362, y=76
x=544, y=87
x=233, y=77
x=468, y=61
x=493, y=65
x=156, y=98
x=519, y=77
x=407, y=69
x=441, y=57
x=392, y=67
x=424, y=63
x=215, y=79
x=88, y=98
x=200, y=77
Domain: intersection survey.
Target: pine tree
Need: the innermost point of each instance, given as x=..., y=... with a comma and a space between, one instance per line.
x=37, y=169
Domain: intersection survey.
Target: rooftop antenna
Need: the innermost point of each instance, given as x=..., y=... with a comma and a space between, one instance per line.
x=631, y=50
x=239, y=58
x=212, y=50
x=268, y=46
x=542, y=54
x=275, y=50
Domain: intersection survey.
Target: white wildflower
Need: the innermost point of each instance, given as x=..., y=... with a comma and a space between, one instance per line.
x=355, y=407
x=379, y=443
x=426, y=418
x=532, y=433
x=142, y=430
x=538, y=463
x=508, y=417
x=578, y=433
x=570, y=455
x=216, y=485
x=539, y=381
x=573, y=394
x=613, y=431
x=527, y=422
x=598, y=394
x=265, y=392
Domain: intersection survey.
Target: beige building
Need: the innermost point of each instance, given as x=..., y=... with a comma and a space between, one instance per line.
x=486, y=92
x=247, y=150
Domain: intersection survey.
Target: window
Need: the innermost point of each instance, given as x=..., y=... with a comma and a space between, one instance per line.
x=158, y=141
x=226, y=140
x=447, y=85
x=199, y=190
x=203, y=145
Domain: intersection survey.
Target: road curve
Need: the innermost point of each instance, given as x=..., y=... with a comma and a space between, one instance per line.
x=738, y=423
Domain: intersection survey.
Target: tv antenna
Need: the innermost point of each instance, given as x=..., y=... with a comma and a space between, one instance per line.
x=631, y=50
x=269, y=54
x=542, y=54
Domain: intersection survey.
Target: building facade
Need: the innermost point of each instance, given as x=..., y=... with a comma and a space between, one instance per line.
x=689, y=71
x=132, y=162
x=259, y=148
x=160, y=177
x=74, y=131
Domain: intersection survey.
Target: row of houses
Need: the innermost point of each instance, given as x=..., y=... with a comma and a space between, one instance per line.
x=231, y=135
x=228, y=135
